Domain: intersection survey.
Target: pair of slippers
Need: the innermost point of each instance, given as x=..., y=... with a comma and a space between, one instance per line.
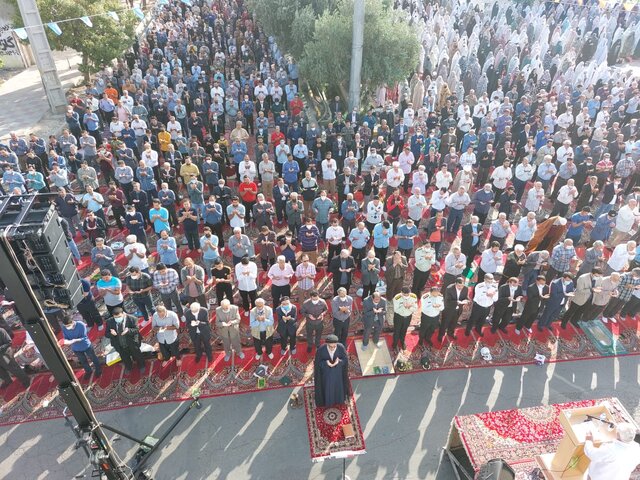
x=295, y=401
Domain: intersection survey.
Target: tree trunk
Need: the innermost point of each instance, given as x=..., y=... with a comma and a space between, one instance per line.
x=85, y=68
x=344, y=92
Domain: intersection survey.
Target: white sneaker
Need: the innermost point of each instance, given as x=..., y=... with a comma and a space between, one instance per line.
x=246, y=314
x=241, y=355
x=529, y=330
x=517, y=331
x=183, y=319
x=605, y=320
x=258, y=357
x=101, y=328
x=364, y=348
x=613, y=320
x=270, y=356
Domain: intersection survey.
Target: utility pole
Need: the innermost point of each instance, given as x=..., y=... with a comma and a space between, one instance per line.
x=42, y=53
x=356, y=54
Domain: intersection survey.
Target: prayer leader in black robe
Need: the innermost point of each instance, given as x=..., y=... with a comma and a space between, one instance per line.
x=331, y=374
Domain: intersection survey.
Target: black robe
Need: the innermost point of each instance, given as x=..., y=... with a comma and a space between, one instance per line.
x=331, y=383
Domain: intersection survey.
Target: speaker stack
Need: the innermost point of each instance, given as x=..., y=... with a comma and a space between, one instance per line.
x=496, y=469
x=36, y=236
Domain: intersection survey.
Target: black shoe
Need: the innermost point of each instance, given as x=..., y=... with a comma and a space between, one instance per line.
x=429, y=342
x=142, y=368
x=198, y=359
x=440, y=339
x=86, y=376
x=309, y=349
x=563, y=326
x=127, y=371
x=454, y=337
x=494, y=330
x=97, y=373
x=466, y=333
x=480, y=334
x=503, y=329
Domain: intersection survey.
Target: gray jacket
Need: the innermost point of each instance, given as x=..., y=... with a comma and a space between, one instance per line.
x=369, y=316
x=372, y=276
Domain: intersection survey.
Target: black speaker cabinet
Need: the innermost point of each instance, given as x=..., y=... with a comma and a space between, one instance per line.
x=496, y=469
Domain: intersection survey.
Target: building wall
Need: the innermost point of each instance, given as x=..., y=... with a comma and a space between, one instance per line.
x=10, y=50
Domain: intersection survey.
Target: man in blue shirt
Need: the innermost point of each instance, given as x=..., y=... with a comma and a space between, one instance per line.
x=159, y=217
x=75, y=335
x=238, y=151
x=382, y=232
x=406, y=234
x=359, y=238
x=322, y=207
x=349, y=210
x=290, y=171
x=87, y=307
x=578, y=221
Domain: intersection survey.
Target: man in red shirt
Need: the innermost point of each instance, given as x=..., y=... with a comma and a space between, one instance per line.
x=395, y=206
x=248, y=191
x=296, y=105
x=276, y=136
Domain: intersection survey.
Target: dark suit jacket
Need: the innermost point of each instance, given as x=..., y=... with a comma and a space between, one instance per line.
x=278, y=198
x=503, y=297
x=368, y=187
x=290, y=326
x=451, y=296
x=132, y=337
x=557, y=294
x=608, y=193
x=534, y=300
x=467, y=238
x=334, y=268
x=431, y=226
x=342, y=180
x=203, y=326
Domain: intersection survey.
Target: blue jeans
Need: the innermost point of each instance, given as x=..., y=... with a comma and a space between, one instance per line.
x=604, y=208
x=82, y=358
x=454, y=220
x=74, y=250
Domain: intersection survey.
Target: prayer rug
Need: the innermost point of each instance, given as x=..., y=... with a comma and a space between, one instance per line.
x=602, y=338
x=517, y=436
x=325, y=428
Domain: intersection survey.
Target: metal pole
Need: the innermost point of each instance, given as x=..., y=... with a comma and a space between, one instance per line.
x=356, y=54
x=42, y=54
x=35, y=322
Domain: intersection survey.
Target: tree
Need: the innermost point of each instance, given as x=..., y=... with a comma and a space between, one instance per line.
x=390, y=52
x=100, y=44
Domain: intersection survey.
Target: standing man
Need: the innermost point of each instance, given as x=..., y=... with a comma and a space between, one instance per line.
x=287, y=315
x=456, y=296
x=485, y=295
x=261, y=322
x=166, y=281
x=122, y=330
x=192, y=277
x=405, y=304
x=75, y=335
x=8, y=364
x=342, y=309
x=165, y=325
x=508, y=297
x=228, y=326
x=280, y=275
x=342, y=267
x=374, y=312
x=537, y=295
x=432, y=304
x=199, y=330
x=314, y=310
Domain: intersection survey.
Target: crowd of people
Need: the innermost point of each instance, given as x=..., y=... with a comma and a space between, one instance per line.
x=498, y=185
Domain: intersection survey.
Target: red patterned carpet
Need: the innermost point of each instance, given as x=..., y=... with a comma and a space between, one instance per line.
x=324, y=425
x=518, y=436
x=114, y=390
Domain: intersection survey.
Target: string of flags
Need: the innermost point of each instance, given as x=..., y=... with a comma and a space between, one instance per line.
x=21, y=32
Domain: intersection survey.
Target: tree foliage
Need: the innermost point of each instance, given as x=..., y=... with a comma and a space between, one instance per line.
x=100, y=44
x=390, y=51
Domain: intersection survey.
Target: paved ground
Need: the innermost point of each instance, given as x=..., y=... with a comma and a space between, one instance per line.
x=23, y=103
x=254, y=436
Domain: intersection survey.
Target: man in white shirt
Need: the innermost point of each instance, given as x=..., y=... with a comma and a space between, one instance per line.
x=490, y=260
x=335, y=236
x=173, y=127
x=564, y=151
x=535, y=197
x=149, y=156
x=439, y=200
x=468, y=157
x=613, y=460
x=627, y=217
x=136, y=254
x=501, y=176
x=248, y=168
x=420, y=179
x=246, y=274
x=416, y=205
x=567, y=194
x=395, y=176
x=329, y=168
x=485, y=295
x=443, y=177
x=406, y=160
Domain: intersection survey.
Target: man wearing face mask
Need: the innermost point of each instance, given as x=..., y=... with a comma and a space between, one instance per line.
x=483, y=200
x=199, y=330
x=287, y=315
x=485, y=295
x=314, y=310
x=122, y=330
x=140, y=285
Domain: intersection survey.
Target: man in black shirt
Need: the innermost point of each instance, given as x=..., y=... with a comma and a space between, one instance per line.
x=221, y=276
x=140, y=285
x=8, y=364
x=188, y=217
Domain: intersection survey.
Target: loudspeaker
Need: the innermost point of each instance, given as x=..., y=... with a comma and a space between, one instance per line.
x=37, y=238
x=496, y=469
